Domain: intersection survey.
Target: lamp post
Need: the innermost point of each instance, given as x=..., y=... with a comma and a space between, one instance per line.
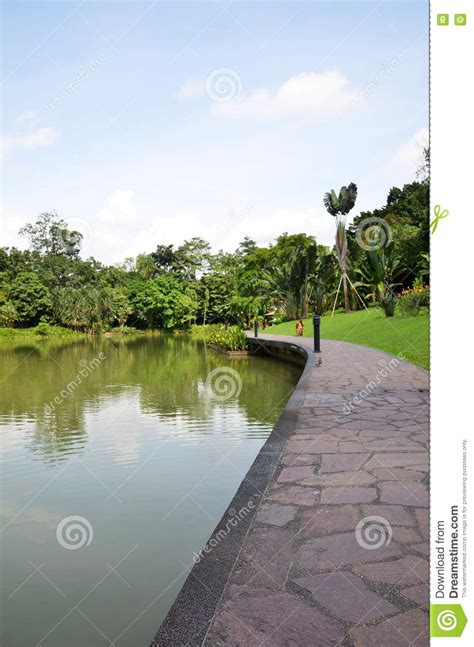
x=316, y=333
x=255, y=327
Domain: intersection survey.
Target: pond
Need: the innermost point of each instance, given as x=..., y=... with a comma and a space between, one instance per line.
x=118, y=459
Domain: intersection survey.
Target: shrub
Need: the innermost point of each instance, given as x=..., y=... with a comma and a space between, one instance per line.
x=388, y=303
x=126, y=330
x=409, y=305
x=43, y=329
x=411, y=300
x=8, y=315
x=232, y=338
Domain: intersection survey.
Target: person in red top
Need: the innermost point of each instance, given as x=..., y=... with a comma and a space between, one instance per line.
x=299, y=328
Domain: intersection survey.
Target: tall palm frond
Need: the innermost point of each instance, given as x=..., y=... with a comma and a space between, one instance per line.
x=331, y=202
x=347, y=198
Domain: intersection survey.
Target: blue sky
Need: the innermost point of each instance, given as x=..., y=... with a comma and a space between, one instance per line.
x=114, y=116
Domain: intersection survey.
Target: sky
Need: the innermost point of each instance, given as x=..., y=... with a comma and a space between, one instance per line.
x=145, y=123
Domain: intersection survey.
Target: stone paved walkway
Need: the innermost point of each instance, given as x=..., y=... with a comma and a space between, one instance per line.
x=337, y=553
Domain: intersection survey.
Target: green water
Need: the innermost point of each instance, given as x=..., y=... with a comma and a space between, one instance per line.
x=146, y=446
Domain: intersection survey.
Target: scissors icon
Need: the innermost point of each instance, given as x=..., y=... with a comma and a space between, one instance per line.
x=439, y=215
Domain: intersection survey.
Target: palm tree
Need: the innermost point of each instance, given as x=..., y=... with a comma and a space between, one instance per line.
x=339, y=206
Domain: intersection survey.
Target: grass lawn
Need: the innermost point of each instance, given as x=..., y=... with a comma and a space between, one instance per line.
x=407, y=335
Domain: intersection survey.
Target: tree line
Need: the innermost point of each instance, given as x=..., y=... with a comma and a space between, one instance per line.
x=381, y=254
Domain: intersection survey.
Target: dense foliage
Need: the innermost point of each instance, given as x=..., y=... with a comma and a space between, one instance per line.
x=230, y=338
x=172, y=288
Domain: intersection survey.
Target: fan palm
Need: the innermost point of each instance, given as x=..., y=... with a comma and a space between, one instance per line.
x=339, y=206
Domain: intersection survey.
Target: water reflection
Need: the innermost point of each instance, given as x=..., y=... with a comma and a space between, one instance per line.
x=141, y=449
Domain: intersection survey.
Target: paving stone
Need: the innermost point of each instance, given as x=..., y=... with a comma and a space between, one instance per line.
x=342, y=462
x=297, y=460
x=421, y=468
x=403, y=535
x=251, y=619
x=398, y=474
x=275, y=514
x=326, y=520
x=408, y=570
x=352, y=448
x=410, y=629
x=335, y=495
x=289, y=474
x=315, y=446
x=423, y=518
x=339, y=550
x=422, y=547
x=395, y=459
x=408, y=493
x=268, y=568
x=394, y=514
x=296, y=494
x=418, y=594
x=340, y=478
x=395, y=445
x=346, y=596
x=344, y=433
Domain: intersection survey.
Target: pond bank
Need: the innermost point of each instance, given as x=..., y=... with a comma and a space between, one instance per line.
x=331, y=521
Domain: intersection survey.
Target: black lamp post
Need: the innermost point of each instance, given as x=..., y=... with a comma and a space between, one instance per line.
x=255, y=327
x=316, y=333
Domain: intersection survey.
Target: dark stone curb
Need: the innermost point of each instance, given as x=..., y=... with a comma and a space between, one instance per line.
x=190, y=616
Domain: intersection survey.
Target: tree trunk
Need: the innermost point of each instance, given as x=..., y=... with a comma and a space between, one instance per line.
x=347, y=303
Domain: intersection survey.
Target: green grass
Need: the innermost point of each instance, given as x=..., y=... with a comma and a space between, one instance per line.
x=40, y=332
x=407, y=335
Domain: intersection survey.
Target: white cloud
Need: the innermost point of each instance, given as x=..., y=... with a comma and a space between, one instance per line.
x=409, y=156
x=40, y=138
x=308, y=95
x=28, y=117
x=190, y=90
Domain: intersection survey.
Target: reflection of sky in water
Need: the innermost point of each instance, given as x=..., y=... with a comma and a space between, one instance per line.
x=144, y=453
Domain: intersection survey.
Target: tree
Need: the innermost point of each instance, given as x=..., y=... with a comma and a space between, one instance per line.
x=191, y=259
x=50, y=235
x=379, y=272
x=8, y=315
x=146, y=266
x=121, y=308
x=84, y=309
x=339, y=206
x=30, y=298
x=162, y=302
x=164, y=258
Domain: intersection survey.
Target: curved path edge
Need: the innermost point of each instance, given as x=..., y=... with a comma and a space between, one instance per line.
x=350, y=444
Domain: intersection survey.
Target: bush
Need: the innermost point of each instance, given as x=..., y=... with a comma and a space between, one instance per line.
x=411, y=300
x=232, y=338
x=43, y=329
x=8, y=315
x=126, y=330
x=409, y=305
x=388, y=303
